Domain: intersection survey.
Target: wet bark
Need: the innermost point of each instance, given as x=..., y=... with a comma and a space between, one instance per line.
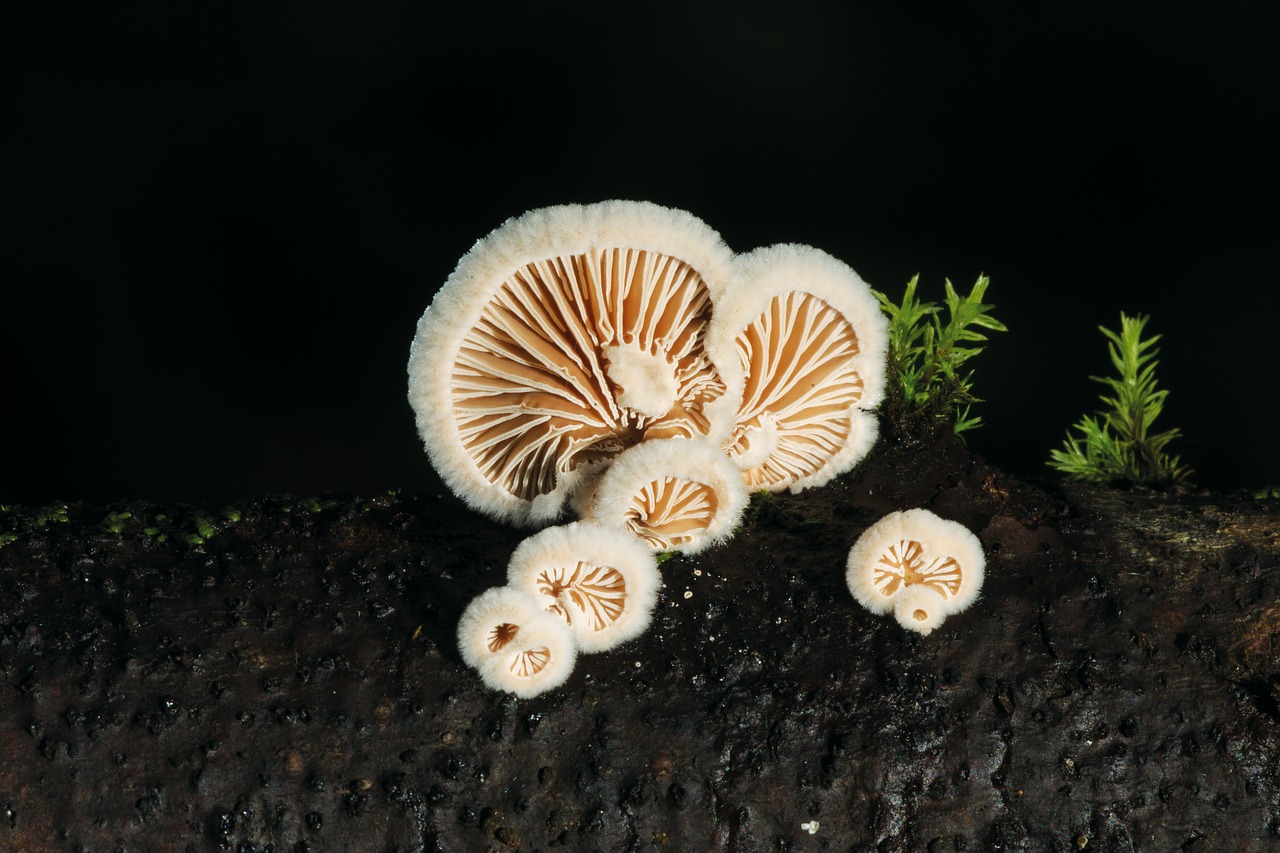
x=282, y=675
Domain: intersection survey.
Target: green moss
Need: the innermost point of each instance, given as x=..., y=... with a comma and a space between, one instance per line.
x=927, y=378
x=16, y=521
x=1117, y=445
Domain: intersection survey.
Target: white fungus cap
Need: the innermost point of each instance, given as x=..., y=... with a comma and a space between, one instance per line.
x=563, y=337
x=920, y=608
x=812, y=342
x=676, y=494
x=601, y=581
x=915, y=548
x=515, y=644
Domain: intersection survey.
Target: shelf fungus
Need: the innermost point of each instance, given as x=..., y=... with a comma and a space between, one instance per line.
x=921, y=567
x=602, y=582
x=811, y=342
x=564, y=337
x=514, y=644
x=675, y=494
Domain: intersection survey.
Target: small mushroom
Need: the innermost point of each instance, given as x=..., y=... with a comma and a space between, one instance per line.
x=514, y=644
x=910, y=549
x=562, y=338
x=811, y=340
x=602, y=582
x=920, y=608
x=676, y=494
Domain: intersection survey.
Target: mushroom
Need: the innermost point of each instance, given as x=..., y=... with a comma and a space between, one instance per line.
x=676, y=494
x=920, y=608
x=514, y=644
x=602, y=582
x=811, y=341
x=913, y=549
x=562, y=338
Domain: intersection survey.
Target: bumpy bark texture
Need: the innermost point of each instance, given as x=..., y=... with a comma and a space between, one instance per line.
x=284, y=677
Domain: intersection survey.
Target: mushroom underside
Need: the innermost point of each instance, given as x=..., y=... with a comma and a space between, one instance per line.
x=576, y=358
x=802, y=379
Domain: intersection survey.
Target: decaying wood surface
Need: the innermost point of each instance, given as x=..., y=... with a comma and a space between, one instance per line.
x=283, y=676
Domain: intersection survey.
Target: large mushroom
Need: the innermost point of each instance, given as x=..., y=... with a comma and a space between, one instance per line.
x=811, y=340
x=562, y=338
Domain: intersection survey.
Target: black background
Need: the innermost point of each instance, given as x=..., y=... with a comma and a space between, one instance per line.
x=219, y=226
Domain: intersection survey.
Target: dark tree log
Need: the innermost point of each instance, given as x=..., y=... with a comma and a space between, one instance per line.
x=284, y=677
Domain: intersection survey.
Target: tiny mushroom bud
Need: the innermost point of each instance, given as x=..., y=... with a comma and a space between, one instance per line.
x=676, y=494
x=514, y=644
x=919, y=608
x=812, y=341
x=912, y=549
x=565, y=336
x=602, y=581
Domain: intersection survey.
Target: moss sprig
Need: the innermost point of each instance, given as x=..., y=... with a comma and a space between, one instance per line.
x=1118, y=445
x=927, y=378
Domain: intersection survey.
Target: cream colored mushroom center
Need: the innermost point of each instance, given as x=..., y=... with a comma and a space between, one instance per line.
x=645, y=380
x=756, y=443
x=597, y=595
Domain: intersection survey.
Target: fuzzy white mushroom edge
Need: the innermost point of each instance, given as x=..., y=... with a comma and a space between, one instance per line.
x=602, y=582
x=675, y=494
x=812, y=343
x=515, y=645
x=564, y=336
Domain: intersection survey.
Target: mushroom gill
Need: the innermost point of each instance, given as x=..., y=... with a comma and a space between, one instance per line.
x=674, y=494
x=562, y=339
x=801, y=383
x=811, y=342
x=601, y=582
x=907, y=552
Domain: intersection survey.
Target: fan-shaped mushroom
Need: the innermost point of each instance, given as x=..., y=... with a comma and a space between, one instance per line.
x=602, y=582
x=676, y=494
x=811, y=340
x=562, y=338
x=514, y=644
x=915, y=548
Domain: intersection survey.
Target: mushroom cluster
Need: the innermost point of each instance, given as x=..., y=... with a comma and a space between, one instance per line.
x=619, y=362
x=572, y=334
x=574, y=588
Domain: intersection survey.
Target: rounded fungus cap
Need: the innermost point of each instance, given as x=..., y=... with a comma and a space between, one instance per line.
x=920, y=609
x=675, y=494
x=602, y=582
x=915, y=548
x=514, y=644
x=563, y=337
x=811, y=340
